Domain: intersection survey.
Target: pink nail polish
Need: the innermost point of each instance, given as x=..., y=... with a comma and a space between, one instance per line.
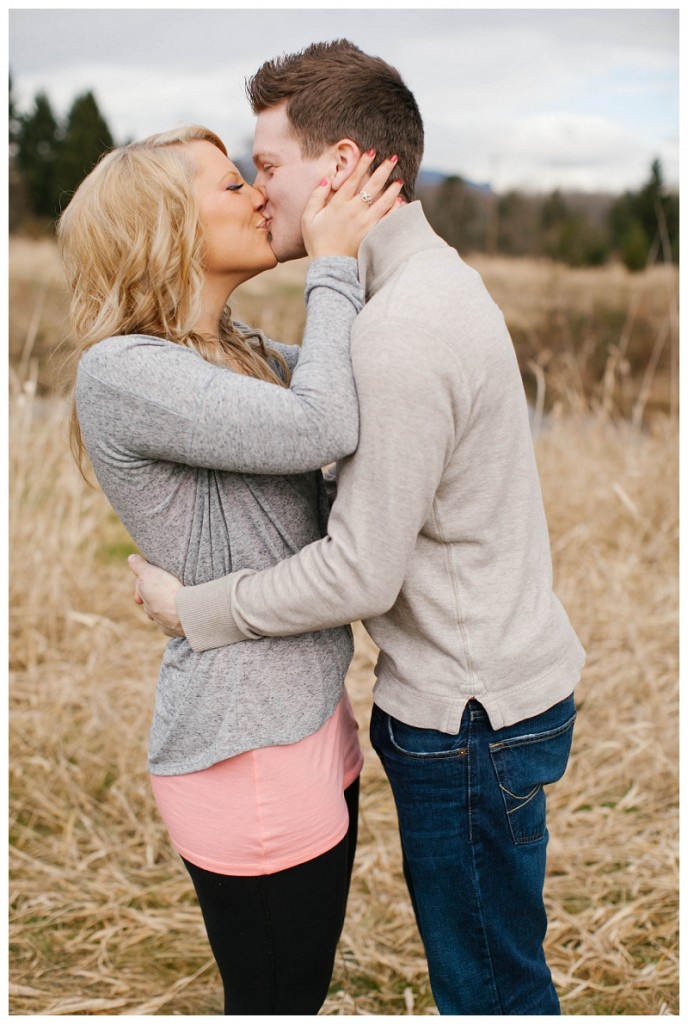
x=324, y=182
x=394, y=158
x=371, y=152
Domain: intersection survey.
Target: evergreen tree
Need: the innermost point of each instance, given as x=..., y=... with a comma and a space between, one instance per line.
x=519, y=225
x=14, y=121
x=18, y=206
x=644, y=224
x=635, y=246
x=670, y=207
x=658, y=212
x=86, y=138
x=554, y=211
x=454, y=212
x=37, y=141
x=569, y=236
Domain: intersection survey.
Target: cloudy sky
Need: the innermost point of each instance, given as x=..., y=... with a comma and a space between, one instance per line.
x=537, y=98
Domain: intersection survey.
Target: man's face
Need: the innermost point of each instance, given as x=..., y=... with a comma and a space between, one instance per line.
x=287, y=179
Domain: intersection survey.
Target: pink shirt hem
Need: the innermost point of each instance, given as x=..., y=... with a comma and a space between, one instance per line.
x=268, y=809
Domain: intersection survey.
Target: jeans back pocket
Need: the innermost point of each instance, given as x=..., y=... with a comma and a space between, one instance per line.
x=523, y=765
x=424, y=743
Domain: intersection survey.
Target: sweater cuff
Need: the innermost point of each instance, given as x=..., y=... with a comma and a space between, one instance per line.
x=206, y=615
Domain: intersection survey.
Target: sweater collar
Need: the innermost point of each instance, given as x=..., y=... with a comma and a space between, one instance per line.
x=398, y=236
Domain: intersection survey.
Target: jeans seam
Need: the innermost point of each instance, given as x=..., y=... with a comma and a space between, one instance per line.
x=476, y=879
x=468, y=789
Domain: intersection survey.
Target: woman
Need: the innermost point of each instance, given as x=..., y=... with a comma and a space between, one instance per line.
x=191, y=422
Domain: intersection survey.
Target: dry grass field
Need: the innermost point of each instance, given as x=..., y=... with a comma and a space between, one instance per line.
x=102, y=916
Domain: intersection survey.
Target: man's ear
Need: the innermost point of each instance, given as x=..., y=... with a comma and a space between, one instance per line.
x=346, y=155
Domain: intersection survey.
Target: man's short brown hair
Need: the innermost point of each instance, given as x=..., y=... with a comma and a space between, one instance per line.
x=335, y=91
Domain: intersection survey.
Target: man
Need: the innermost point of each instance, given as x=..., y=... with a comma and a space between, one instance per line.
x=437, y=540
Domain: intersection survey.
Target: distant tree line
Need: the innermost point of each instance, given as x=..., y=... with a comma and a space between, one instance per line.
x=578, y=229
x=49, y=157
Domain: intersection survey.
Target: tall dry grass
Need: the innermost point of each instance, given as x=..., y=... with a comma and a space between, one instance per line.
x=103, y=918
x=601, y=339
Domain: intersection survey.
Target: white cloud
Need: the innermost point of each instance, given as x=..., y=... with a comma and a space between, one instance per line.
x=150, y=101
x=548, y=151
x=574, y=98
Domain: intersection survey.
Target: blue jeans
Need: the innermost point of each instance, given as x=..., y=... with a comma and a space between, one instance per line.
x=471, y=811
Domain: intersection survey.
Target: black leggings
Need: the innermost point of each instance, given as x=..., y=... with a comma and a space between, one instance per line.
x=274, y=937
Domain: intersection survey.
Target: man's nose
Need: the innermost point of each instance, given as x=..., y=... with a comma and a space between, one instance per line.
x=259, y=182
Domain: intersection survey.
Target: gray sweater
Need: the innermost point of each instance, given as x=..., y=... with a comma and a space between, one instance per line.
x=212, y=471
x=437, y=538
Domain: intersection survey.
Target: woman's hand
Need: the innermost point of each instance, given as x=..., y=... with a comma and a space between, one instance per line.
x=335, y=223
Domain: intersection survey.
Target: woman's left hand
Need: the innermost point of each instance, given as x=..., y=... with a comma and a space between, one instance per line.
x=335, y=223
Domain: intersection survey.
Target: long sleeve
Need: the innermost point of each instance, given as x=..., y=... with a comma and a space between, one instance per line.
x=146, y=398
x=385, y=494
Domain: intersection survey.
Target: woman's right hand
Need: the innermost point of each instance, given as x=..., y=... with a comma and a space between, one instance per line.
x=335, y=223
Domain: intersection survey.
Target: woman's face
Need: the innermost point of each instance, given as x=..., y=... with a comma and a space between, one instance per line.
x=234, y=228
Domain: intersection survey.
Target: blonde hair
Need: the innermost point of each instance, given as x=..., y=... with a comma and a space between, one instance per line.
x=132, y=248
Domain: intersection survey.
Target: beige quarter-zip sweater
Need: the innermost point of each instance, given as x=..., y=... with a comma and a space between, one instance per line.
x=437, y=539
